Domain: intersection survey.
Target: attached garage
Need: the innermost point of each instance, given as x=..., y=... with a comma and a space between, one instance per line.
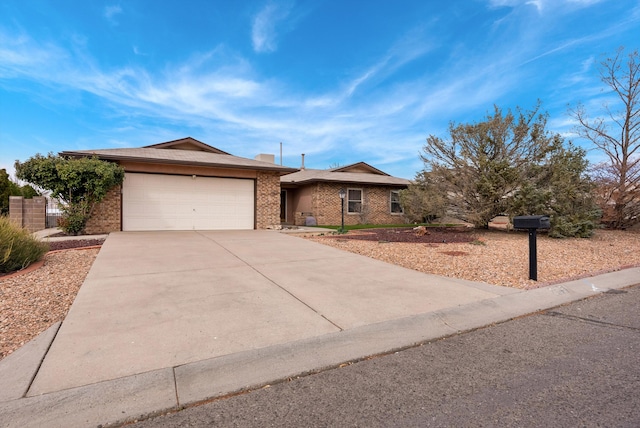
x=178, y=202
x=186, y=184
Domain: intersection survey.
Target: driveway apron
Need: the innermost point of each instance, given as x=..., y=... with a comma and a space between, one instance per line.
x=154, y=300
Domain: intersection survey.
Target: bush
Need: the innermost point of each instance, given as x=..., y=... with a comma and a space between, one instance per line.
x=74, y=218
x=18, y=247
x=576, y=226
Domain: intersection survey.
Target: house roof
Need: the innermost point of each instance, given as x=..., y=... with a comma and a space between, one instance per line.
x=357, y=173
x=188, y=143
x=186, y=151
x=359, y=167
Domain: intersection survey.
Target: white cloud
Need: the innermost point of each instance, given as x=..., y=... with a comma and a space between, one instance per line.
x=543, y=5
x=137, y=51
x=110, y=12
x=539, y=4
x=585, y=2
x=267, y=23
x=503, y=3
x=411, y=46
x=19, y=52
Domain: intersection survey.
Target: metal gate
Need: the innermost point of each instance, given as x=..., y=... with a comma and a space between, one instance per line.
x=53, y=213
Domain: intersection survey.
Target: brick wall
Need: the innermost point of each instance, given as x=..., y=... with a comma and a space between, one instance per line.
x=15, y=210
x=106, y=214
x=267, y=199
x=28, y=213
x=326, y=205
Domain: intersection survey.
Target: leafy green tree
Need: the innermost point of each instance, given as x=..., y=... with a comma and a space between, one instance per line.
x=79, y=183
x=481, y=165
x=617, y=135
x=561, y=189
x=28, y=192
x=421, y=201
x=9, y=188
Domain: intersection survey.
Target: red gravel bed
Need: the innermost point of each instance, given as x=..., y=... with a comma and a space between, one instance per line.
x=435, y=235
x=493, y=256
x=74, y=243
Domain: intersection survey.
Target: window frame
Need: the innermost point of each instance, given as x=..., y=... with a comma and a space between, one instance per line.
x=361, y=200
x=392, y=202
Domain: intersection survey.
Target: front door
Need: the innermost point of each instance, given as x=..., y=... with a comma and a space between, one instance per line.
x=283, y=206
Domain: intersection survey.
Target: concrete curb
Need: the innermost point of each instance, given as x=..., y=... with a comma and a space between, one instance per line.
x=133, y=397
x=74, y=238
x=18, y=370
x=46, y=235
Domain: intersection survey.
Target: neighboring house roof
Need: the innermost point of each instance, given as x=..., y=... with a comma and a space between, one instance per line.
x=357, y=173
x=186, y=151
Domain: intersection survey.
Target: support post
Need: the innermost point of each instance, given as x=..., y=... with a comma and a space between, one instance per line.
x=343, y=194
x=533, y=255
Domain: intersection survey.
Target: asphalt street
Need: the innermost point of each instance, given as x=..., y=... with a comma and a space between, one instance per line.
x=575, y=365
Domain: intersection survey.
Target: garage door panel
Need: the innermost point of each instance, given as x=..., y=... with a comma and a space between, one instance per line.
x=169, y=202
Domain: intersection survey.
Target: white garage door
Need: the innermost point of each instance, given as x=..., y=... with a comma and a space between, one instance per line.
x=177, y=202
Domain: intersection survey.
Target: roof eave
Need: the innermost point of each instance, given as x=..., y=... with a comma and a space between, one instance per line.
x=282, y=170
x=316, y=180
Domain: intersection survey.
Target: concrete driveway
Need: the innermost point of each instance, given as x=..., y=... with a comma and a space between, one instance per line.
x=157, y=300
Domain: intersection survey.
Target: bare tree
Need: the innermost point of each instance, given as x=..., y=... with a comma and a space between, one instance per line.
x=606, y=180
x=617, y=135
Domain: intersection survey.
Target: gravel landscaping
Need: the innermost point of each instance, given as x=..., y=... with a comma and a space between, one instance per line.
x=493, y=256
x=31, y=302
x=74, y=243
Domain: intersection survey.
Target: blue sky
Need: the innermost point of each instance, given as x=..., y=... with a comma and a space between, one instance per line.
x=341, y=81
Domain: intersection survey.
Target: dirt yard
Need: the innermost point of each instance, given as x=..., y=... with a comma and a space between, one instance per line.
x=493, y=256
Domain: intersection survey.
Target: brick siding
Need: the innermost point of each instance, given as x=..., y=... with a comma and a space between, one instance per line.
x=326, y=206
x=106, y=214
x=267, y=199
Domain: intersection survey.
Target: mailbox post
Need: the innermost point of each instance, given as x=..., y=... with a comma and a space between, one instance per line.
x=532, y=223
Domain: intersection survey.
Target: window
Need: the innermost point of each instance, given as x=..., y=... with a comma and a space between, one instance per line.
x=354, y=201
x=396, y=208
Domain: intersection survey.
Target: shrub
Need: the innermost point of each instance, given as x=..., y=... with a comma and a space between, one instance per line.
x=577, y=226
x=74, y=219
x=18, y=247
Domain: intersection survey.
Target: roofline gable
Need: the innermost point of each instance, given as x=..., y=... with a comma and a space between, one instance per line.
x=188, y=140
x=364, y=165
x=308, y=176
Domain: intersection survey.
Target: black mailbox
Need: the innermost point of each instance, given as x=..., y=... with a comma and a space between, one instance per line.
x=531, y=222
